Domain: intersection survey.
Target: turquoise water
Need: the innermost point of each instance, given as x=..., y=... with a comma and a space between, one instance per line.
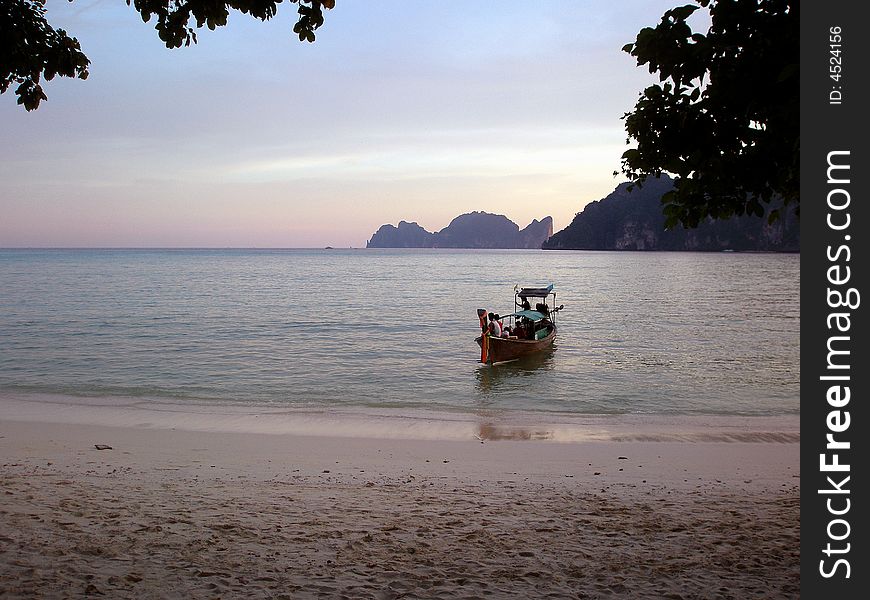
x=641, y=333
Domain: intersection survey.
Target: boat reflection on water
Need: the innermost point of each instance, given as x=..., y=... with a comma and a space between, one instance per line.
x=491, y=432
x=499, y=382
x=513, y=375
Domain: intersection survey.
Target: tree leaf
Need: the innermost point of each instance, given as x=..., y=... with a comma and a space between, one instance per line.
x=725, y=117
x=681, y=13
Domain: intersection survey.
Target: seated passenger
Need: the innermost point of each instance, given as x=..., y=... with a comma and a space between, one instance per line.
x=494, y=326
x=501, y=327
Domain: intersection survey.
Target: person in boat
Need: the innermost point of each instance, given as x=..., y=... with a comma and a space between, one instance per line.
x=505, y=331
x=526, y=305
x=494, y=325
x=521, y=329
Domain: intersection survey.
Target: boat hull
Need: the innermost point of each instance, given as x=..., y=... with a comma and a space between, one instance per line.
x=503, y=349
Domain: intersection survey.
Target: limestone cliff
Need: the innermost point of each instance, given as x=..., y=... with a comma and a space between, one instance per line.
x=406, y=235
x=471, y=230
x=633, y=220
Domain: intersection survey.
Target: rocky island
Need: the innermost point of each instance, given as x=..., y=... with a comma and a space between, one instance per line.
x=471, y=230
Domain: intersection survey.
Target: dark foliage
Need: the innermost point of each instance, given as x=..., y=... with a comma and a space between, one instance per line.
x=31, y=49
x=725, y=118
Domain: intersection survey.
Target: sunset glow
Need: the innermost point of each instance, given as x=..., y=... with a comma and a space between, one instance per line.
x=399, y=111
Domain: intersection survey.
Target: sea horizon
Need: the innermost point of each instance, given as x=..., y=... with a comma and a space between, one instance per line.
x=569, y=250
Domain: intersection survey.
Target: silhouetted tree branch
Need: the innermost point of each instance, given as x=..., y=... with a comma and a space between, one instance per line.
x=724, y=118
x=32, y=50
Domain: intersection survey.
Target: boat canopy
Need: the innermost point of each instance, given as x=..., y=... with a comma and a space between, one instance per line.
x=535, y=292
x=532, y=315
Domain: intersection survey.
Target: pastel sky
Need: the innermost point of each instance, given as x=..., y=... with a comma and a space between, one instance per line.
x=401, y=110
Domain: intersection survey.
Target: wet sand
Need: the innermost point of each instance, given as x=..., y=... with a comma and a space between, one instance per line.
x=179, y=513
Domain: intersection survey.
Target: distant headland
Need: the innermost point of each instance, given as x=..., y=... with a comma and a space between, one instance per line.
x=632, y=219
x=629, y=218
x=471, y=230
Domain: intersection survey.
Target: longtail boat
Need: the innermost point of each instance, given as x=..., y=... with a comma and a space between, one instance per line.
x=527, y=330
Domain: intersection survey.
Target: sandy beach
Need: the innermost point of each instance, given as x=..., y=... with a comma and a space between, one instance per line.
x=179, y=513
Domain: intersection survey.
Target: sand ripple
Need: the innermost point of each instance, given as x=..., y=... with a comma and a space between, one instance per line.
x=206, y=533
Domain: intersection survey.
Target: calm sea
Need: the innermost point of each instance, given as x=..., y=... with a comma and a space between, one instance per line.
x=641, y=333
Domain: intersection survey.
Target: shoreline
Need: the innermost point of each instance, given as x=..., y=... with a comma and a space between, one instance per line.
x=394, y=423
